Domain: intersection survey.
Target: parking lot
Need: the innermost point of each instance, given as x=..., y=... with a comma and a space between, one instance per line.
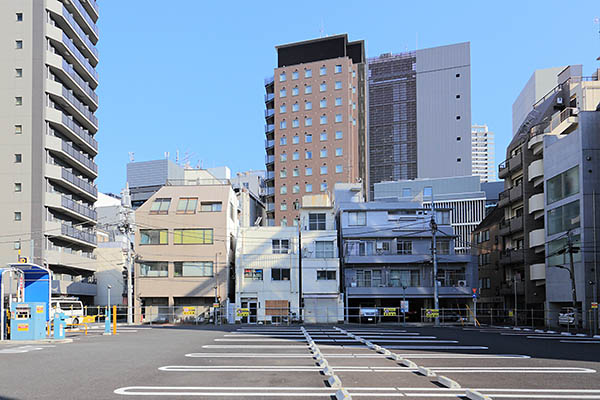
x=253, y=362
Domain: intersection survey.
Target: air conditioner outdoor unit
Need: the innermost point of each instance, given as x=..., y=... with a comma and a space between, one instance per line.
x=462, y=283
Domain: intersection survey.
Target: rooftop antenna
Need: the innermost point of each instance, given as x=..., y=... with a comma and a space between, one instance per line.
x=131, y=156
x=597, y=22
x=177, y=156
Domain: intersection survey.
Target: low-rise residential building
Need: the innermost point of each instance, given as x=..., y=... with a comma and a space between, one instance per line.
x=185, y=241
x=320, y=263
x=267, y=284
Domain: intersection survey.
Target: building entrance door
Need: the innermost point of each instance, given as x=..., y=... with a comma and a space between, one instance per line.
x=252, y=306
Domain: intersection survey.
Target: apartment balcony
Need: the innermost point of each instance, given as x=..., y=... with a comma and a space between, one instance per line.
x=510, y=166
x=60, y=41
x=536, y=137
x=65, y=151
x=269, y=81
x=537, y=271
x=269, y=144
x=74, y=288
x=66, y=73
x=535, y=172
x=410, y=292
x=510, y=226
x=393, y=258
x=63, y=231
x=269, y=128
x=537, y=239
x=508, y=288
x=269, y=115
x=512, y=256
x=73, y=105
x=92, y=8
x=269, y=159
x=269, y=176
x=82, y=15
x=75, y=259
x=69, y=128
x=270, y=222
x=74, y=183
x=270, y=191
x=536, y=205
x=71, y=207
x=564, y=122
x=511, y=195
x=269, y=97
x=270, y=207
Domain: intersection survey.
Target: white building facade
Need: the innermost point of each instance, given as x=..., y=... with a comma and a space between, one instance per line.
x=483, y=153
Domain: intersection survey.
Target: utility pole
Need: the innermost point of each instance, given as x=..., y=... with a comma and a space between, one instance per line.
x=126, y=227
x=433, y=226
x=571, y=249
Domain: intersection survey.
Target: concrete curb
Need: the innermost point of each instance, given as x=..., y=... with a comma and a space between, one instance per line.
x=334, y=381
x=342, y=394
x=426, y=372
x=473, y=395
x=409, y=364
x=323, y=363
x=394, y=356
x=41, y=341
x=327, y=371
x=447, y=382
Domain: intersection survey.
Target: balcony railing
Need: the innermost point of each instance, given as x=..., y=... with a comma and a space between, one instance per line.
x=67, y=148
x=269, y=128
x=270, y=207
x=269, y=97
x=67, y=15
x=269, y=80
x=269, y=159
x=85, y=13
x=560, y=117
x=82, y=133
x=78, y=208
x=77, y=54
x=270, y=191
x=270, y=175
x=269, y=144
x=80, y=183
x=84, y=85
x=79, y=234
x=67, y=94
x=269, y=112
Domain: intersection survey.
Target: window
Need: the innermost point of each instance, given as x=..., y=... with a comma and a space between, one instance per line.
x=193, y=236
x=308, y=171
x=339, y=135
x=353, y=121
x=338, y=85
x=325, y=275
x=316, y=222
x=154, y=269
x=483, y=259
x=563, y=185
x=187, y=205
x=154, y=236
x=458, y=75
x=323, y=136
x=323, y=87
x=19, y=44
x=324, y=249
x=406, y=192
x=322, y=70
x=255, y=274
x=308, y=73
x=17, y=245
x=404, y=278
x=18, y=158
x=283, y=157
x=280, y=274
x=353, y=105
x=283, y=189
x=296, y=172
x=443, y=246
x=284, y=221
x=283, y=206
x=213, y=206
x=323, y=169
x=556, y=258
x=19, y=72
x=339, y=169
x=353, y=89
x=296, y=156
x=308, y=89
x=427, y=191
x=282, y=92
x=280, y=246
x=324, y=187
x=458, y=96
x=323, y=103
x=338, y=69
x=282, y=124
x=18, y=187
x=18, y=101
x=308, y=155
x=323, y=119
x=338, y=152
x=323, y=153
x=308, y=188
x=18, y=129
x=295, y=123
x=160, y=206
x=296, y=189
x=295, y=139
x=296, y=205
x=282, y=108
x=353, y=73
x=356, y=218
x=563, y=218
x=295, y=107
x=295, y=91
x=193, y=268
x=19, y=17
x=294, y=75
x=307, y=121
x=457, y=117
x=17, y=215
x=338, y=101
x=282, y=77
x=404, y=247
x=338, y=117
x=308, y=138
x=282, y=141
x=308, y=105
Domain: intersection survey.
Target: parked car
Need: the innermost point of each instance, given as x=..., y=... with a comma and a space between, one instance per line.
x=368, y=314
x=70, y=306
x=566, y=316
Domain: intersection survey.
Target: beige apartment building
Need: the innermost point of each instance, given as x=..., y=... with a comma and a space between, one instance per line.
x=184, y=242
x=47, y=147
x=316, y=124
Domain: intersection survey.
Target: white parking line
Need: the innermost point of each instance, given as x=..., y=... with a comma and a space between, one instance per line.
x=251, y=346
x=354, y=355
x=22, y=349
x=437, y=347
x=579, y=341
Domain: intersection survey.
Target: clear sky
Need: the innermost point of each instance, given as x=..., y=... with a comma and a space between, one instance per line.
x=188, y=75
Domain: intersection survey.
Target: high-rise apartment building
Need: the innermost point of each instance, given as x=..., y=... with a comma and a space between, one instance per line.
x=315, y=123
x=420, y=114
x=48, y=100
x=482, y=153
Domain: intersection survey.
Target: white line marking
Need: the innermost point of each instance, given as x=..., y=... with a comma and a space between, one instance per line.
x=252, y=346
x=581, y=341
x=355, y=355
x=437, y=347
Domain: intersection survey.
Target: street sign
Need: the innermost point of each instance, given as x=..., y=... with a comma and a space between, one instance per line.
x=432, y=313
x=242, y=312
x=404, y=306
x=474, y=295
x=511, y=313
x=474, y=290
x=389, y=312
x=594, y=305
x=189, y=310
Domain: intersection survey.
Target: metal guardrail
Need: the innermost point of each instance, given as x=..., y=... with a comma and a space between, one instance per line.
x=80, y=183
x=79, y=131
x=67, y=148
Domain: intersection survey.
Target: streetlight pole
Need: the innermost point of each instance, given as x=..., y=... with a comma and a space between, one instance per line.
x=433, y=226
x=404, y=304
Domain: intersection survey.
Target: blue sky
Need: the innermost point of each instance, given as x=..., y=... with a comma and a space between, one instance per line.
x=188, y=75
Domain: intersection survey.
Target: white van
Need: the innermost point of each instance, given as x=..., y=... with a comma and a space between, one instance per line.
x=72, y=308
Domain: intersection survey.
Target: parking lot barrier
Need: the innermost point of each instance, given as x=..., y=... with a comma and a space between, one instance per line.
x=327, y=371
x=426, y=371
x=447, y=382
x=85, y=327
x=408, y=363
x=395, y=357
x=322, y=363
x=473, y=395
x=334, y=381
x=342, y=394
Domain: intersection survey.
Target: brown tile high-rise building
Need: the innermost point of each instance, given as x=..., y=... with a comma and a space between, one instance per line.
x=316, y=133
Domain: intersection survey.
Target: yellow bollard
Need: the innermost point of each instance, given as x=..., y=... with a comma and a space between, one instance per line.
x=114, y=320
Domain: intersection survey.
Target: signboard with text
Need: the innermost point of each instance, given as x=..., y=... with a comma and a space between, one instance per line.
x=242, y=312
x=432, y=313
x=389, y=312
